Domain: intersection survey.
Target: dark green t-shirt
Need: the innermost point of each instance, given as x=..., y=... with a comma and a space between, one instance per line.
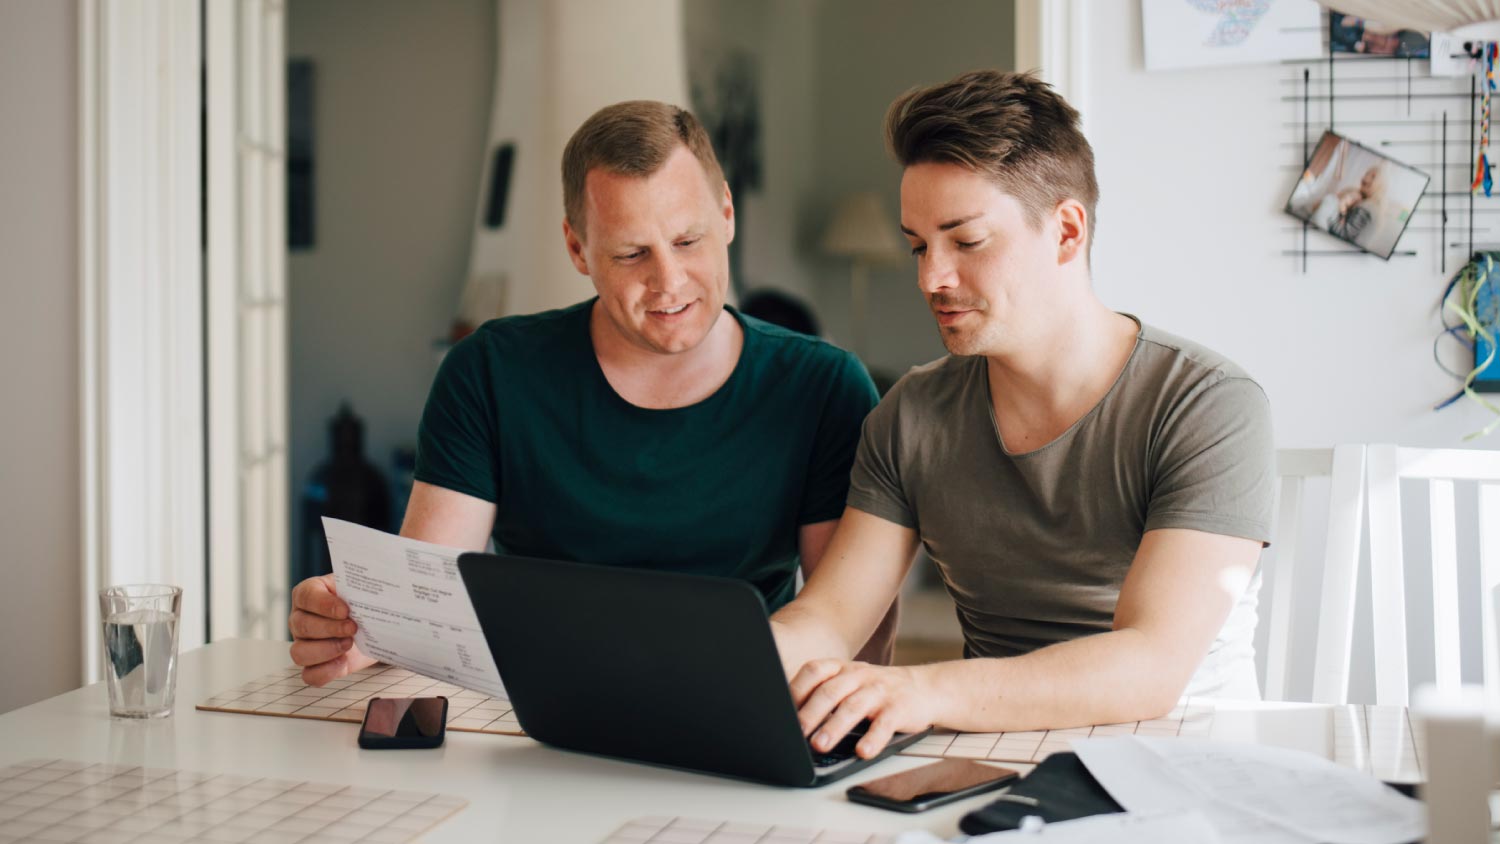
x=521, y=415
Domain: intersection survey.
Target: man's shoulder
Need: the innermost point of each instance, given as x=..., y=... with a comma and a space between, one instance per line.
x=529, y=329
x=1187, y=364
x=792, y=354
x=1180, y=384
x=936, y=381
x=772, y=339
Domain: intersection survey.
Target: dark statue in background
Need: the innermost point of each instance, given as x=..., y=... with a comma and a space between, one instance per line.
x=346, y=486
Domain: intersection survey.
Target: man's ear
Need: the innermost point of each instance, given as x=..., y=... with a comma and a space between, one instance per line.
x=728, y=210
x=1072, y=231
x=574, y=243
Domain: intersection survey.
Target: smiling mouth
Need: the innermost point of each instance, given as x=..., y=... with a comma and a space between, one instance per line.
x=669, y=312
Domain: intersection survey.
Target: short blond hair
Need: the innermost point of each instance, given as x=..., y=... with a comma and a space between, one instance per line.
x=632, y=138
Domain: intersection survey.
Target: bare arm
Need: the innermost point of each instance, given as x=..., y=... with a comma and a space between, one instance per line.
x=322, y=632
x=1180, y=589
x=849, y=591
x=813, y=542
x=445, y=517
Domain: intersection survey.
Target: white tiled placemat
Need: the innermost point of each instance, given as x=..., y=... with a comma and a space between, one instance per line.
x=56, y=800
x=283, y=693
x=1378, y=740
x=699, y=831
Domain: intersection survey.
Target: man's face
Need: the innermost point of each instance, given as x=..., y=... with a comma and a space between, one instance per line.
x=984, y=270
x=657, y=250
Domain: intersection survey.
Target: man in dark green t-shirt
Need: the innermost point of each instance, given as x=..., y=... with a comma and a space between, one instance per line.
x=651, y=426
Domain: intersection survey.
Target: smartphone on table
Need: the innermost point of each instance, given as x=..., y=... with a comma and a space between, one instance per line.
x=929, y=786
x=403, y=722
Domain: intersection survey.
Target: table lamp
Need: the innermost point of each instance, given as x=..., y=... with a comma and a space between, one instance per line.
x=863, y=232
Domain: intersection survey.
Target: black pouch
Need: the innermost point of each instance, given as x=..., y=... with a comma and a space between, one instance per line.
x=1058, y=789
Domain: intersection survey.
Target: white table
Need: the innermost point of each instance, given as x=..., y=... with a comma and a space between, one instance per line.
x=518, y=790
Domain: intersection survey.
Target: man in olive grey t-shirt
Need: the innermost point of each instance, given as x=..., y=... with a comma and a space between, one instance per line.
x=1034, y=547
x=1096, y=493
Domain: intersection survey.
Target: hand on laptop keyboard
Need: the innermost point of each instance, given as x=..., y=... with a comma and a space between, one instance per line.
x=841, y=751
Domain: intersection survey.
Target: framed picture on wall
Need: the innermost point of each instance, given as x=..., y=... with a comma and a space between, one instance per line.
x=1207, y=33
x=1357, y=194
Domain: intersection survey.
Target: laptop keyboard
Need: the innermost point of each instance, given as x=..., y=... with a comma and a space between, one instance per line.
x=841, y=752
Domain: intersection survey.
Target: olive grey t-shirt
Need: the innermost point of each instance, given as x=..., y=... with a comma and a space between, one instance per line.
x=1033, y=547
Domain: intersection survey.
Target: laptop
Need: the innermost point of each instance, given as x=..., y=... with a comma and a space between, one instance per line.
x=665, y=668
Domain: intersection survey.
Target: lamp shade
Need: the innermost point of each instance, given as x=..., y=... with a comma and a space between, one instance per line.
x=1454, y=16
x=862, y=228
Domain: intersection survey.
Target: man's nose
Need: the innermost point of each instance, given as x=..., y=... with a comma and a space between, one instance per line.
x=669, y=273
x=935, y=272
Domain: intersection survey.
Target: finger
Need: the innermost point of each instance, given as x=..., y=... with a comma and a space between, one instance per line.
x=317, y=595
x=882, y=728
x=326, y=672
x=853, y=709
x=309, y=652
x=825, y=699
x=812, y=675
x=305, y=625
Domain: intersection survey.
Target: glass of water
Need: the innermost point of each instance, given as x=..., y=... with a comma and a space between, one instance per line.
x=140, y=648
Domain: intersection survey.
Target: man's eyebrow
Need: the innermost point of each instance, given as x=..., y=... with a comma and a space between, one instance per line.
x=951, y=224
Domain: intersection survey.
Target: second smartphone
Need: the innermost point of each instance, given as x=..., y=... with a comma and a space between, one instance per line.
x=932, y=785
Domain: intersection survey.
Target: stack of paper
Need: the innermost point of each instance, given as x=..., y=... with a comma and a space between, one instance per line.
x=1253, y=794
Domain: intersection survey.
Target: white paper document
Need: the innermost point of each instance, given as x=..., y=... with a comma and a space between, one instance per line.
x=1173, y=828
x=411, y=606
x=1253, y=794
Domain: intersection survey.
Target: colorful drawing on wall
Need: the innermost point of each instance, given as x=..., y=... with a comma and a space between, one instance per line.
x=1348, y=34
x=1357, y=194
x=1199, y=33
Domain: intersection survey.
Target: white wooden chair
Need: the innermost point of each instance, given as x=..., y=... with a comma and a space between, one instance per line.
x=1386, y=467
x=1344, y=465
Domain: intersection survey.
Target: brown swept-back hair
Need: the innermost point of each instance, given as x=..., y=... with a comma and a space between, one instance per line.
x=632, y=138
x=1012, y=127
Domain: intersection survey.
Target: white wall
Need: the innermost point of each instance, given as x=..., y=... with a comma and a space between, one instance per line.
x=1193, y=172
x=39, y=467
x=401, y=103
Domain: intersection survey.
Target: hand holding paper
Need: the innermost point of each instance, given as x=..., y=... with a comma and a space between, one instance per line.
x=411, y=606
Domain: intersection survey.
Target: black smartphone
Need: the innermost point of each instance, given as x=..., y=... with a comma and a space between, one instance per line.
x=402, y=722
x=932, y=785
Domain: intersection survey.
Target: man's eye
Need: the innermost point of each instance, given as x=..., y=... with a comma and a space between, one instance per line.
x=685, y=243
x=630, y=256
x=919, y=251
x=968, y=244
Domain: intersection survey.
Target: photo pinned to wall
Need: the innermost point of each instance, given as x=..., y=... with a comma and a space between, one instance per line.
x=1203, y=33
x=1349, y=34
x=1357, y=194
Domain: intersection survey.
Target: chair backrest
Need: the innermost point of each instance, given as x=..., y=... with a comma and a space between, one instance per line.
x=1387, y=466
x=1344, y=465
